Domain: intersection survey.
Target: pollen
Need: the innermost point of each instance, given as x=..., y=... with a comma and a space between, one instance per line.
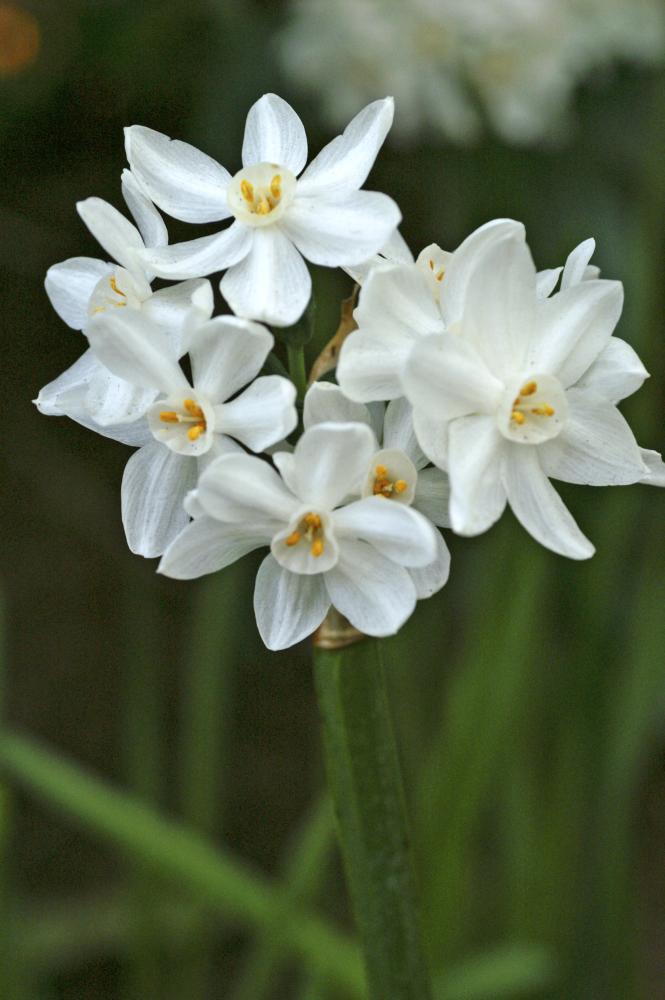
x=401, y=485
x=193, y=409
x=114, y=285
x=317, y=548
x=384, y=486
x=380, y=472
x=529, y=388
x=543, y=411
x=169, y=417
x=263, y=207
x=247, y=190
x=310, y=528
x=293, y=538
x=276, y=187
x=195, y=432
x=518, y=417
x=312, y=521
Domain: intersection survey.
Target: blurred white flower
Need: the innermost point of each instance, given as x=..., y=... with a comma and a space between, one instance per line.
x=323, y=549
x=519, y=60
x=189, y=425
x=509, y=386
x=279, y=217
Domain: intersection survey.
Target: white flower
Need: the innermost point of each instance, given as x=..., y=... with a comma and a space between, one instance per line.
x=397, y=469
x=83, y=287
x=189, y=424
x=279, y=216
x=519, y=388
x=323, y=549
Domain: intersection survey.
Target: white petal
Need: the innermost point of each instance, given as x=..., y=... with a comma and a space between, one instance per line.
x=261, y=415
x=288, y=606
x=226, y=354
x=546, y=281
x=206, y=546
x=136, y=350
x=500, y=305
x=399, y=532
x=446, y=377
x=371, y=591
x=272, y=283
x=179, y=309
x=398, y=431
x=183, y=181
x=394, y=249
x=343, y=165
x=616, y=373
x=325, y=402
x=70, y=284
x=205, y=255
x=241, y=488
x=462, y=264
x=112, y=401
x=577, y=262
x=149, y=221
x=154, y=486
x=342, y=232
x=430, y=579
x=112, y=231
x=538, y=506
x=330, y=461
x=286, y=466
x=433, y=496
x=573, y=328
x=477, y=495
x=656, y=467
x=274, y=134
x=432, y=436
x=596, y=446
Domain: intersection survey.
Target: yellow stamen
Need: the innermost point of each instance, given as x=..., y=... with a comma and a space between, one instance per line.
x=440, y=275
x=317, y=548
x=543, y=411
x=431, y=265
x=312, y=520
x=195, y=432
x=517, y=416
x=193, y=408
x=529, y=389
x=401, y=485
x=380, y=472
x=293, y=538
x=169, y=416
x=247, y=190
x=276, y=187
x=263, y=207
x=114, y=286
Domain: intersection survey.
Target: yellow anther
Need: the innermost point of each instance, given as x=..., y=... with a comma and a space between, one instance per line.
x=169, y=416
x=543, y=411
x=440, y=275
x=276, y=187
x=380, y=471
x=517, y=416
x=293, y=538
x=114, y=286
x=401, y=485
x=317, y=548
x=263, y=207
x=431, y=264
x=195, y=432
x=528, y=389
x=193, y=408
x=312, y=520
x=247, y=190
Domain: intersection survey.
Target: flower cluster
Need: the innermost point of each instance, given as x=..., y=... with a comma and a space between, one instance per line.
x=518, y=60
x=470, y=381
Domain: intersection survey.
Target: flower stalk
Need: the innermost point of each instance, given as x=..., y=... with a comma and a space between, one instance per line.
x=366, y=787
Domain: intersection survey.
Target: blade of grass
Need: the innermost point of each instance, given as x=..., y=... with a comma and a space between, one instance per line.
x=304, y=872
x=210, y=875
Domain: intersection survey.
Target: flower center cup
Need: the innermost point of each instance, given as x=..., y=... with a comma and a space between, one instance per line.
x=259, y=195
x=433, y=261
x=533, y=410
x=391, y=475
x=117, y=291
x=183, y=425
x=307, y=545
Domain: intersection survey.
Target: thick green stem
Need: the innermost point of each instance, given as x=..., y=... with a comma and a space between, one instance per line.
x=366, y=786
x=297, y=371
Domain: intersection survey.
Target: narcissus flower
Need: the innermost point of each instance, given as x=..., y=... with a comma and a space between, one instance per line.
x=509, y=386
x=325, y=547
x=397, y=469
x=190, y=424
x=281, y=214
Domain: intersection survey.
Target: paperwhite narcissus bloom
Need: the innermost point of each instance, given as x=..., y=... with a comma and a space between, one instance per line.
x=280, y=214
x=82, y=287
x=396, y=470
x=189, y=424
x=323, y=549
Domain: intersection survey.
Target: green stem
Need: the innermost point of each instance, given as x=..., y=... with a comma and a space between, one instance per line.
x=211, y=876
x=296, y=357
x=366, y=786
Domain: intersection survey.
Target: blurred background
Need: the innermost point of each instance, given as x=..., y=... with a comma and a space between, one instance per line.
x=197, y=859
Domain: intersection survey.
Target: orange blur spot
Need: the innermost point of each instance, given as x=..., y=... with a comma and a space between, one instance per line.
x=20, y=39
